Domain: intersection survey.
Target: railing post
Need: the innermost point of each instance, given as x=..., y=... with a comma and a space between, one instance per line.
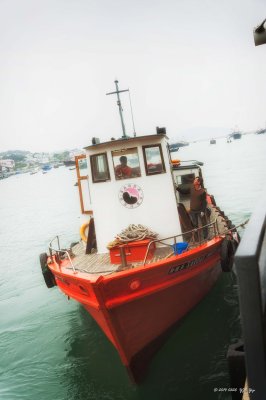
x=147, y=252
x=123, y=256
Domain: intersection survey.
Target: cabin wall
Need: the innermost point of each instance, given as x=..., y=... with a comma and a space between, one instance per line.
x=158, y=210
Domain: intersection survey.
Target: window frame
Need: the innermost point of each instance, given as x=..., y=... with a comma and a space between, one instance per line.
x=145, y=159
x=125, y=152
x=80, y=186
x=92, y=168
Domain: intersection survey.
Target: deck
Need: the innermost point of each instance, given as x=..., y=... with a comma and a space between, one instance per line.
x=100, y=263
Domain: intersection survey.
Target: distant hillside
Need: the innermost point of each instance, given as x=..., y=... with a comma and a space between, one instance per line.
x=16, y=155
x=27, y=156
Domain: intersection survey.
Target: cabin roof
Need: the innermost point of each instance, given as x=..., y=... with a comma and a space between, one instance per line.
x=126, y=140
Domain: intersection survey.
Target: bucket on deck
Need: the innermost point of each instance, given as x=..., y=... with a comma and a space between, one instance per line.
x=180, y=247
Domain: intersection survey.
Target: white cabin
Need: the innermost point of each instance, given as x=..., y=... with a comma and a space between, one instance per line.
x=140, y=191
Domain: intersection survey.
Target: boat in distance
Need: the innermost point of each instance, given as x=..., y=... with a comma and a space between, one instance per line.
x=236, y=135
x=46, y=167
x=175, y=146
x=69, y=163
x=140, y=265
x=261, y=131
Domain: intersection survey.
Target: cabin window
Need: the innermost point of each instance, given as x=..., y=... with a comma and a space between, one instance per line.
x=153, y=159
x=126, y=163
x=99, y=168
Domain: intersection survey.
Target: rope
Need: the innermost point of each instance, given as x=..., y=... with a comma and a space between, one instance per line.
x=230, y=230
x=132, y=233
x=239, y=226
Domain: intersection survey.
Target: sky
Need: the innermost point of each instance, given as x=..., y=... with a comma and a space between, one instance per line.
x=191, y=66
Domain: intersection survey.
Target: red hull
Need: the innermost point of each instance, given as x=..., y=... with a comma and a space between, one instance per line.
x=136, y=308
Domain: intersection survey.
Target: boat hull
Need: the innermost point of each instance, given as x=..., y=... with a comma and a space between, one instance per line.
x=137, y=308
x=141, y=325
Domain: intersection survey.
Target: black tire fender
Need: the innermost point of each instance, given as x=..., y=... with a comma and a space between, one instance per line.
x=227, y=255
x=47, y=274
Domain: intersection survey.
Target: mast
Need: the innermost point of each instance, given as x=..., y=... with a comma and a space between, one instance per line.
x=120, y=107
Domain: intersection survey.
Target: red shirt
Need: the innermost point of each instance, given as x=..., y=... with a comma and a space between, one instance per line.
x=123, y=171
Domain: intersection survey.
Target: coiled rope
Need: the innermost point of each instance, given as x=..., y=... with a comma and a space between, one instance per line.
x=133, y=233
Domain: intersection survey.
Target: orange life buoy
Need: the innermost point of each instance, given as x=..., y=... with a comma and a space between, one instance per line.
x=82, y=231
x=176, y=162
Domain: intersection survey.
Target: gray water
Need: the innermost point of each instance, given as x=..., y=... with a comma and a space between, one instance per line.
x=52, y=349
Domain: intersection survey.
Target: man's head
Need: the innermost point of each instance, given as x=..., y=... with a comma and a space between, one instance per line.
x=123, y=160
x=198, y=183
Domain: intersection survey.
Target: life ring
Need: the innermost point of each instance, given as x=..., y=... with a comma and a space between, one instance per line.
x=227, y=255
x=82, y=231
x=46, y=272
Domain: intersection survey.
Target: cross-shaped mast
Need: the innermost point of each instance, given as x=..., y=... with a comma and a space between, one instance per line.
x=120, y=107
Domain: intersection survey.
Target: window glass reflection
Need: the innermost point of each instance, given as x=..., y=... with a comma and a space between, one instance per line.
x=99, y=168
x=126, y=163
x=153, y=159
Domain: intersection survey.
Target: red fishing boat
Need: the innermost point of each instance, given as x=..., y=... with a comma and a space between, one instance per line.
x=142, y=265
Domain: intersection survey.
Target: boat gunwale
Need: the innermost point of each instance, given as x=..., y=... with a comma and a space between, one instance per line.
x=99, y=283
x=65, y=269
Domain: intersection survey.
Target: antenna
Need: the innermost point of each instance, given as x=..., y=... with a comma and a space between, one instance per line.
x=134, y=130
x=120, y=107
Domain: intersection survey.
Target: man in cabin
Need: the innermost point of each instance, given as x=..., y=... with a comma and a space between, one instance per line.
x=123, y=170
x=198, y=205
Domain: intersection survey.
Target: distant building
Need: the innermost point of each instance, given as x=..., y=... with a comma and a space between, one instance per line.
x=10, y=164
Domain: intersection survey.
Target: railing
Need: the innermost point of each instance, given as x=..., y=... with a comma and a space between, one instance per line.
x=195, y=233
x=59, y=252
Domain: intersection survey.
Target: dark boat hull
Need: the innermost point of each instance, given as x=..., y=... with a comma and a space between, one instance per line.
x=236, y=135
x=69, y=163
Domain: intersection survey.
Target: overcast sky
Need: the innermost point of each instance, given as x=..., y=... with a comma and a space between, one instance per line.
x=190, y=65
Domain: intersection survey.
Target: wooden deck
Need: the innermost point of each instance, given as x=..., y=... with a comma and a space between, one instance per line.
x=100, y=263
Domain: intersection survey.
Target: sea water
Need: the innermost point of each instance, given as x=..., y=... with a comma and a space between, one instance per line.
x=52, y=349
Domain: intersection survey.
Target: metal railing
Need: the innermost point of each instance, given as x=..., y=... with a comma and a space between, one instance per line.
x=59, y=252
x=196, y=237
